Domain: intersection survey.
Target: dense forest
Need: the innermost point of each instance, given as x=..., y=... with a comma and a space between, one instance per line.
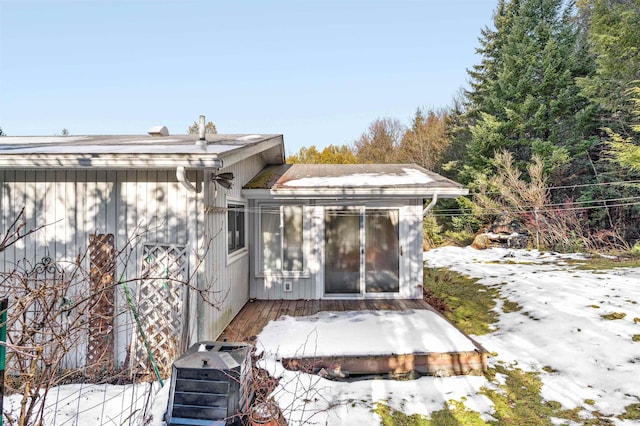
x=547, y=130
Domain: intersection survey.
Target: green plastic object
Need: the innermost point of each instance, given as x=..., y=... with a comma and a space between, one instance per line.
x=134, y=312
x=4, y=305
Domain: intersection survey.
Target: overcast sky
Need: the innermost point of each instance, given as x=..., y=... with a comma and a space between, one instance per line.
x=318, y=72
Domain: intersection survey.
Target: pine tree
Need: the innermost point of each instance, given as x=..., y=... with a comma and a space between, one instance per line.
x=612, y=30
x=613, y=34
x=485, y=74
x=524, y=97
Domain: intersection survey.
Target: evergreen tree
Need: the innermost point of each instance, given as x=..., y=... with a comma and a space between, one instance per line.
x=523, y=96
x=613, y=38
x=613, y=33
x=485, y=74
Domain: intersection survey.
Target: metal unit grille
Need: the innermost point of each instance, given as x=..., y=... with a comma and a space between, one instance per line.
x=210, y=384
x=161, y=298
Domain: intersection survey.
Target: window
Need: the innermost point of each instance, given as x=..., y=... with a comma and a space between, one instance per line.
x=282, y=239
x=235, y=227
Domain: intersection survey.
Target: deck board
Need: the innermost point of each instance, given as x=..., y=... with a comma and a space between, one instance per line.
x=257, y=313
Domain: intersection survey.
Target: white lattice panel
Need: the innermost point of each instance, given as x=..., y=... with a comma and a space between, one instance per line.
x=160, y=306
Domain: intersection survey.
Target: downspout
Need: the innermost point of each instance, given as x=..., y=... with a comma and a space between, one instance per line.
x=195, y=257
x=433, y=202
x=181, y=175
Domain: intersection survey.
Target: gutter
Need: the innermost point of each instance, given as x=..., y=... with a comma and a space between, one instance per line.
x=110, y=161
x=431, y=205
x=181, y=175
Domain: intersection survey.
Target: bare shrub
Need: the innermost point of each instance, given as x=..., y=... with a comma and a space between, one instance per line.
x=563, y=227
x=62, y=320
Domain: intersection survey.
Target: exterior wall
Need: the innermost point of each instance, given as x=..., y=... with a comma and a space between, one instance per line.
x=138, y=207
x=271, y=286
x=411, y=239
x=310, y=285
x=227, y=279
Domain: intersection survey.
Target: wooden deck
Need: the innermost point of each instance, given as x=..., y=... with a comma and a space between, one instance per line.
x=257, y=313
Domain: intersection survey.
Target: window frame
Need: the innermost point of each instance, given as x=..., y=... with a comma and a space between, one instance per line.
x=260, y=271
x=235, y=205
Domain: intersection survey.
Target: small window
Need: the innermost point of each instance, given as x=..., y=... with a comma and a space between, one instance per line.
x=235, y=227
x=281, y=238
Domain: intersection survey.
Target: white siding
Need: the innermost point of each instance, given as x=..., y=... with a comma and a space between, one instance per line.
x=138, y=207
x=311, y=286
x=227, y=277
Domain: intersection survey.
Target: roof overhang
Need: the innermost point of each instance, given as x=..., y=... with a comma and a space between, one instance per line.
x=137, y=152
x=353, y=181
x=352, y=193
x=108, y=161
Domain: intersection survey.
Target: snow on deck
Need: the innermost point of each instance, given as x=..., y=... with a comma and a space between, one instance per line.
x=362, y=333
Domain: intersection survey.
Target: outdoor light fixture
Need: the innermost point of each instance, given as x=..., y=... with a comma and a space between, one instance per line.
x=223, y=179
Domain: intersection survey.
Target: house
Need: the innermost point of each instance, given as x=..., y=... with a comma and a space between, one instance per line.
x=340, y=230
x=193, y=226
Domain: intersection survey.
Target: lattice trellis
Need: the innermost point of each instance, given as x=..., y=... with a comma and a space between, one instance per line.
x=160, y=306
x=100, y=348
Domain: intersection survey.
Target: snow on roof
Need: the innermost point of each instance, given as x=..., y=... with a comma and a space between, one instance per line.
x=354, y=175
x=136, y=148
x=116, y=144
x=405, y=176
x=351, y=179
x=127, y=150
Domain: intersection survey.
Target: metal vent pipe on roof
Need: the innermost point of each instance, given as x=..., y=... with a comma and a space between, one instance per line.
x=158, y=131
x=202, y=128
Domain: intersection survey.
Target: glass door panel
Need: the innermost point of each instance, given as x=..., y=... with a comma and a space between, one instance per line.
x=382, y=258
x=342, y=251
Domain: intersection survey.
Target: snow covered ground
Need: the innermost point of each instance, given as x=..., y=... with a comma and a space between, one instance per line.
x=88, y=404
x=561, y=323
x=560, y=327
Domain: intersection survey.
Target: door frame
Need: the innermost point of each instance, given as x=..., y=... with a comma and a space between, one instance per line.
x=362, y=294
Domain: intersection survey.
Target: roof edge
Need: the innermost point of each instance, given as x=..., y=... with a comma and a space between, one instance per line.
x=110, y=161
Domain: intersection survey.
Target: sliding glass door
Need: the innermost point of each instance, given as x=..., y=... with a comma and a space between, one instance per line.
x=382, y=254
x=342, y=251
x=362, y=251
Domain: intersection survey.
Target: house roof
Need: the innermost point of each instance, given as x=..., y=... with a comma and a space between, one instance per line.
x=350, y=181
x=137, y=151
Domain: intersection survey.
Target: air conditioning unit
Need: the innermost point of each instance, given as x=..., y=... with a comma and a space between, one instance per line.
x=211, y=384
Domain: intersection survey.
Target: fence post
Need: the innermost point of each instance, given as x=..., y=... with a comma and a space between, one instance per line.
x=4, y=305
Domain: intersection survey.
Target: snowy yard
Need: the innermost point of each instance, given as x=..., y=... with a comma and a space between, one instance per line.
x=562, y=332
x=577, y=330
